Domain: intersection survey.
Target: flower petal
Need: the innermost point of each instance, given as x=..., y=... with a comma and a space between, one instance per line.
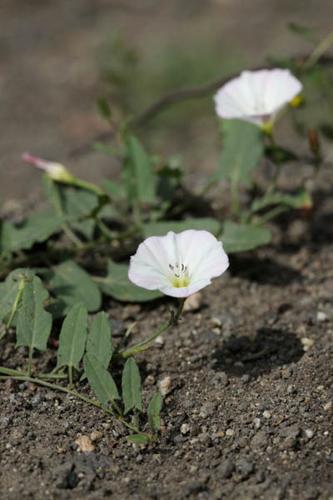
x=256, y=96
x=191, y=257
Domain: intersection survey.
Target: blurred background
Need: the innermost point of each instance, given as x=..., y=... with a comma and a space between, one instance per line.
x=58, y=56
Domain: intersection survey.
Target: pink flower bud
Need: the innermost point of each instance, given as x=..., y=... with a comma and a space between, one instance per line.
x=56, y=171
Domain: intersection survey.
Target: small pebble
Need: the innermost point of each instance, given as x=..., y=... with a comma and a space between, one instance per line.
x=229, y=432
x=216, y=322
x=84, y=444
x=257, y=423
x=327, y=406
x=165, y=385
x=309, y=433
x=159, y=340
x=185, y=428
x=193, y=302
x=96, y=436
x=321, y=316
x=307, y=343
x=266, y=414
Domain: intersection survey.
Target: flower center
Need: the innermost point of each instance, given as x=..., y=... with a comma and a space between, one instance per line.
x=180, y=276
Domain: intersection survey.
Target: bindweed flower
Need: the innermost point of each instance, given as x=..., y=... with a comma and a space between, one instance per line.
x=257, y=96
x=178, y=264
x=56, y=171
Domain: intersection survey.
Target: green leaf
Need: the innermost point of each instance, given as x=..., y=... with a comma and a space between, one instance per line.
x=9, y=290
x=35, y=229
x=72, y=339
x=138, y=438
x=71, y=284
x=34, y=324
x=72, y=204
x=154, y=410
x=100, y=380
x=242, y=151
x=77, y=205
x=161, y=228
x=99, y=342
x=244, y=237
x=117, y=285
x=131, y=386
x=296, y=201
x=138, y=175
x=115, y=190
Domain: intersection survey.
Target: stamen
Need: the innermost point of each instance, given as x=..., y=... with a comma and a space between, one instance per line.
x=180, y=277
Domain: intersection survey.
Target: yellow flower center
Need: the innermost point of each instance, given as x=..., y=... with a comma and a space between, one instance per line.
x=180, y=276
x=297, y=101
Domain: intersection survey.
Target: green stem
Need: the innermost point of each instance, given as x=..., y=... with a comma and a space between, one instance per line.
x=104, y=229
x=53, y=376
x=30, y=360
x=71, y=235
x=88, y=186
x=142, y=346
x=273, y=213
x=70, y=376
x=145, y=344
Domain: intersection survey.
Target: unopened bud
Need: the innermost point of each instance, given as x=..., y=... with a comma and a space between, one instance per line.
x=56, y=171
x=297, y=101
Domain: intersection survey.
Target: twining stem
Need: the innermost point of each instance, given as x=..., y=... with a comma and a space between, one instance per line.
x=14, y=374
x=277, y=172
x=88, y=186
x=70, y=376
x=145, y=344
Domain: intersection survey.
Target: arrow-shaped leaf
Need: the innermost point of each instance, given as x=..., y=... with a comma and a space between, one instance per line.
x=71, y=284
x=99, y=342
x=9, y=290
x=73, y=335
x=100, y=380
x=154, y=410
x=131, y=386
x=33, y=322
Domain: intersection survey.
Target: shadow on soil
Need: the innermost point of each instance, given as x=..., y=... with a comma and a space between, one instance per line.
x=268, y=349
x=264, y=271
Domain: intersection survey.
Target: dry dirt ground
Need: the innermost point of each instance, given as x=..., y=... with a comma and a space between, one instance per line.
x=249, y=412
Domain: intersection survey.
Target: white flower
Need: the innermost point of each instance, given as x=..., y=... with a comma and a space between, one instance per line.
x=178, y=264
x=56, y=171
x=257, y=96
